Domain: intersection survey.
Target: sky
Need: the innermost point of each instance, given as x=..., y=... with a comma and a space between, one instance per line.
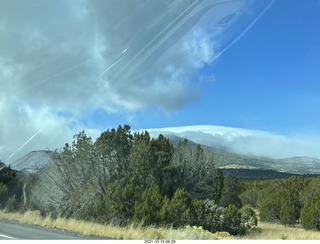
x=68, y=66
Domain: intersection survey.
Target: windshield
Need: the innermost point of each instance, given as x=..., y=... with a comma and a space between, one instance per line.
x=68, y=66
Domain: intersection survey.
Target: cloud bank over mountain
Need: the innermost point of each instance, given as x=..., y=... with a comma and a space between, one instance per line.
x=243, y=141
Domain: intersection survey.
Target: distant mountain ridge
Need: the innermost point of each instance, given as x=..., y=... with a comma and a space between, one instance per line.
x=244, y=141
x=228, y=161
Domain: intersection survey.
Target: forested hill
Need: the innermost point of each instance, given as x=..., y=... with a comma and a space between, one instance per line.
x=228, y=160
x=242, y=166
x=261, y=174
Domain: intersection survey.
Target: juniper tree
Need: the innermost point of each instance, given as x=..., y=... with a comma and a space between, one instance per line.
x=148, y=208
x=310, y=214
x=230, y=192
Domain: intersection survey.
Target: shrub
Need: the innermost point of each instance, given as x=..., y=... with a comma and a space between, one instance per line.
x=198, y=233
x=248, y=217
x=3, y=194
x=208, y=215
x=232, y=220
x=12, y=204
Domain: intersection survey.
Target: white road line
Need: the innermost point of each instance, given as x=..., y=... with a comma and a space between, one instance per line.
x=8, y=237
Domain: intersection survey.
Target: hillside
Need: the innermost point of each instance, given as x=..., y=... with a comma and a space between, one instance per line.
x=33, y=162
x=229, y=160
x=260, y=173
x=251, y=166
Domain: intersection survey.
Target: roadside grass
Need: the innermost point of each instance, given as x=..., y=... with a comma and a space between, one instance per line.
x=134, y=231
x=267, y=231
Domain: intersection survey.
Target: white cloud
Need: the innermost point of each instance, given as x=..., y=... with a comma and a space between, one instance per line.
x=243, y=141
x=55, y=51
x=62, y=57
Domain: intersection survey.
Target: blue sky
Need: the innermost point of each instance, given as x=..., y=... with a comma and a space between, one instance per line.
x=67, y=66
x=268, y=80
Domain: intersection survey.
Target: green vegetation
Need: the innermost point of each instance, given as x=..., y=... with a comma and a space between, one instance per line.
x=310, y=214
x=11, y=188
x=285, y=201
x=123, y=179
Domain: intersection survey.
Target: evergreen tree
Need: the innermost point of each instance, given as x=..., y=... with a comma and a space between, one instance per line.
x=311, y=190
x=142, y=161
x=310, y=214
x=165, y=215
x=120, y=202
x=180, y=211
x=290, y=208
x=112, y=149
x=270, y=208
x=230, y=192
x=281, y=206
x=163, y=152
x=148, y=209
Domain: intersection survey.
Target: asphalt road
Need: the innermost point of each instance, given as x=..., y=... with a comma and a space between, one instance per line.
x=15, y=231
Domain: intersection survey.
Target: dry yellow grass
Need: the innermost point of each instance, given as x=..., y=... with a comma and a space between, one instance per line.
x=278, y=232
x=138, y=232
x=131, y=232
